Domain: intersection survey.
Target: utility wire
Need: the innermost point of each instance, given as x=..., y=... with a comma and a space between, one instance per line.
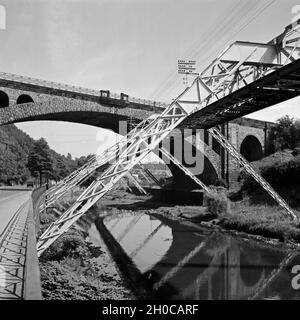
x=240, y=10
x=225, y=34
x=222, y=30
x=195, y=47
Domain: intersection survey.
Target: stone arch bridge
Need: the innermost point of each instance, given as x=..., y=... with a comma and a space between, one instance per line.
x=27, y=99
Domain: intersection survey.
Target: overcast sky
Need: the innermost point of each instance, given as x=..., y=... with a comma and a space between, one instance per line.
x=128, y=46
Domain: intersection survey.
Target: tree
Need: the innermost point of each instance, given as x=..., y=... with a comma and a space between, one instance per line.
x=285, y=134
x=61, y=169
x=40, y=160
x=83, y=160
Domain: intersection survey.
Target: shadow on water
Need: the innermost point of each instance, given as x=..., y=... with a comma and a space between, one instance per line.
x=168, y=259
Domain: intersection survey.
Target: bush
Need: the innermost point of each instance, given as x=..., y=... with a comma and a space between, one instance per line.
x=296, y=152
x=71, y=244
x=217, y=202
x=46, y=219
x=284, y=173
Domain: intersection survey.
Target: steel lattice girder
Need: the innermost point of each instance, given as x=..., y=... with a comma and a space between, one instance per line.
x=200, y=94
x=81, y=174
x=242, y=93
x=107, y=154
x=281, y=85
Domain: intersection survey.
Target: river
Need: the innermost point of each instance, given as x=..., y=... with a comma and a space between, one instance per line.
x=182, y=260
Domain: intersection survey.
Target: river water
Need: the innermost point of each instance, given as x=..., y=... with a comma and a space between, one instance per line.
x=181, y=260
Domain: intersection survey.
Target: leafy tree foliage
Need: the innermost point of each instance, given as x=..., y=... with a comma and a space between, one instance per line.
x=286, y=134
x=39, y=159
x=14, y=146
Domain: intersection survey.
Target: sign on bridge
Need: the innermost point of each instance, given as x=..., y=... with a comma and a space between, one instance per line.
x=187, y=67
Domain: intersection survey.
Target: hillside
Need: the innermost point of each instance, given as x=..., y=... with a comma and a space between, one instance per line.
x=15, y=146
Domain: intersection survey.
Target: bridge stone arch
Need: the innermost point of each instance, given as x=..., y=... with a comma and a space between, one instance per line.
x=180, y=181
x=249, y=137
x=24, y=98
x=240, y=129
x=4, y=99
x=251, y=148
x=189, y=147
x=70, y=110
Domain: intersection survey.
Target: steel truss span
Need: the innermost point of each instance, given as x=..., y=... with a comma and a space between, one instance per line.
x=241, y=76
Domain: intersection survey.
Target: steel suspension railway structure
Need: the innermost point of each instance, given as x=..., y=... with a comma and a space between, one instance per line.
x=244, y=78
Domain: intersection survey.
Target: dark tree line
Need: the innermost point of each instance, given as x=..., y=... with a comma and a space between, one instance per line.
x=46, y=164
x=22, y=159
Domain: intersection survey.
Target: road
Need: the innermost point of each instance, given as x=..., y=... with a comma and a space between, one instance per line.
x=10, y=202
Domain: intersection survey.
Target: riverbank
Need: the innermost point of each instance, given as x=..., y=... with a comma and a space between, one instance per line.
x=262, y=220
x=75, y=269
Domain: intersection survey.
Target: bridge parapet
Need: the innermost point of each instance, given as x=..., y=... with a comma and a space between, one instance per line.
x=45, y=86
x=32, y=281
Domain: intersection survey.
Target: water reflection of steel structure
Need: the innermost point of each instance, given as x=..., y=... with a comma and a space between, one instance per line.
x=227, y=264
x=139, y=239
x=224, y=267
x=142, y=244
x=132, y=223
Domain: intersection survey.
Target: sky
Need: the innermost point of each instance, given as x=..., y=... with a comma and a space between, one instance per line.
x=128, y=46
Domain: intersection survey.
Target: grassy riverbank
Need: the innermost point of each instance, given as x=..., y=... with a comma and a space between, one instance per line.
x=264, y=220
